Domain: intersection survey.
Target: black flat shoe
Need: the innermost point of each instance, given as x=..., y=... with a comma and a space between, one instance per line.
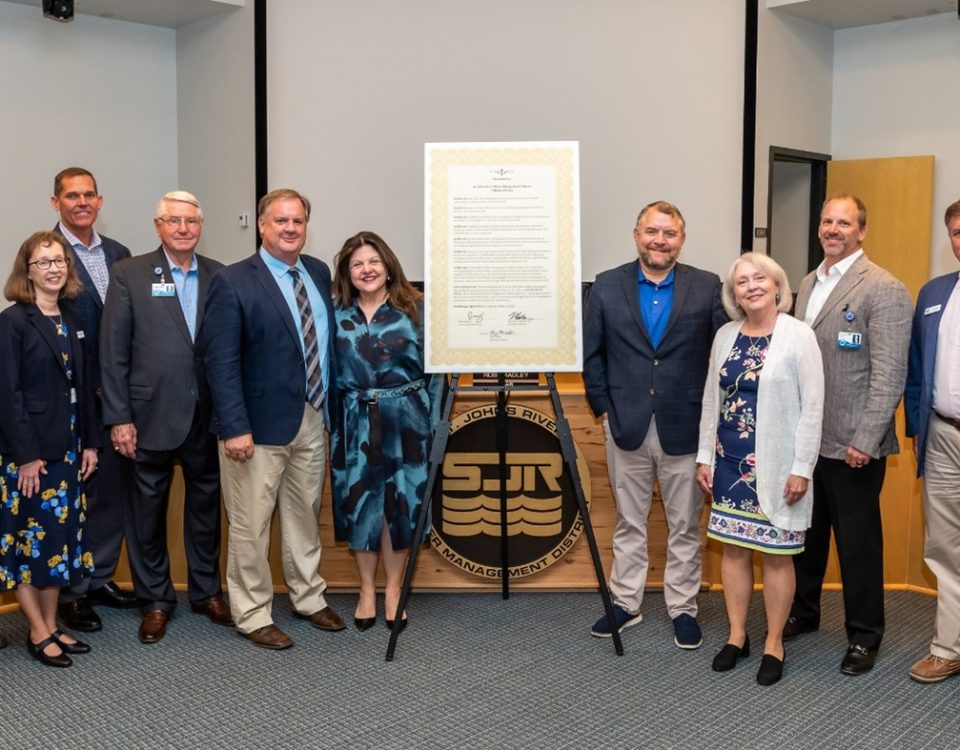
x=364, y=623
x=79, y=647
x=36, y=651
x=729, y=654
x=403, y=624
x=771, y=669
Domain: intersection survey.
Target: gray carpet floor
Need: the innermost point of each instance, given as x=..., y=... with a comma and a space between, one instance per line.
x=474, y=671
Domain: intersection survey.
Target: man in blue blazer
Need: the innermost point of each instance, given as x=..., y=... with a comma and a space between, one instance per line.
x=268, y=340
x=77, y=200
x=647, y=334
x=932, y=405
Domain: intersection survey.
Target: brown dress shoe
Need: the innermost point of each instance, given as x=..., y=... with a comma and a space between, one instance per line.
x=269, y=636
x=153, y=626
x=324, y=619
x=217, y=609
x=934, y=669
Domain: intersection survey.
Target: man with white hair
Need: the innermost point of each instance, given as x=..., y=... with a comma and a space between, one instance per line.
x=156, y=400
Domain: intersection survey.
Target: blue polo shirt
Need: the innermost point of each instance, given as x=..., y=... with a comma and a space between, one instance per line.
x=656, y=302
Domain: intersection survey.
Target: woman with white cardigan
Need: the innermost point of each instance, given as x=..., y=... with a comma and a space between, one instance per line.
x=759, y=440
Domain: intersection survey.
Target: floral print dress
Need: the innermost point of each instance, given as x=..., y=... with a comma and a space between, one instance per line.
x=736, y=516
x=41, y=537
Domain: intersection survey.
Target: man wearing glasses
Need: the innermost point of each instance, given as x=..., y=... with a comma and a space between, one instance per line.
x=76, y=199
x=155, y=398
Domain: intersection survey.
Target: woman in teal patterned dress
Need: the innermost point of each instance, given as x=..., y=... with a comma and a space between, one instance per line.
x=47, y=442
x=380, y=443
x=759, y=440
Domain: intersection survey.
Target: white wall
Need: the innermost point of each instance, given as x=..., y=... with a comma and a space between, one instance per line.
x=215, y=95
x=94, y=93
x=652, y=90
x=895, y=90
x=794, y=94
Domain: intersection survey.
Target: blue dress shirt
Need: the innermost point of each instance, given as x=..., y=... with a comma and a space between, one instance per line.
x=188, y=289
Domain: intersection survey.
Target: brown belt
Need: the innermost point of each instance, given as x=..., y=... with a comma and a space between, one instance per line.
x=954, y=423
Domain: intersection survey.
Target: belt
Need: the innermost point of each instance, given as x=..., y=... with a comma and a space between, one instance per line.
x=372, y=395
x=954, y=423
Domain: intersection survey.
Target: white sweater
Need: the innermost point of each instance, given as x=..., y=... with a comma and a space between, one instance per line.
x=789, y=415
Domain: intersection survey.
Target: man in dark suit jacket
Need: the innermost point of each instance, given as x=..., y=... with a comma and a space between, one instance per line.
x=861, y=317
x=268, y=338
x=647, y=335
x=78, y=202
x=932, y=406
x=156, y=400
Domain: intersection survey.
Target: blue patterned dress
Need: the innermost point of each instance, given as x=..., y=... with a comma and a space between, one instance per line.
x=379, y=449
x=736, y=516
x=41, y=537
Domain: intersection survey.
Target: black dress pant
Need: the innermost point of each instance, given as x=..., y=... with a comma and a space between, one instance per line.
x=149, y=556
x=107, y=519
x=846, y=500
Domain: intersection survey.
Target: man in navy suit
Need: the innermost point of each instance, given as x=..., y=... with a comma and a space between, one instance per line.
x=76, y=199
x=647, y=335
x=268, y=339
x=932, y=405
x=156, y=399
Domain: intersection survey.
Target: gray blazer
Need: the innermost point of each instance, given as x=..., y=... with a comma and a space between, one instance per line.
x=863, y=386
x=152, y=373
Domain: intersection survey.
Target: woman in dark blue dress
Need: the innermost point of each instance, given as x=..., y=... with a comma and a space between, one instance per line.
x=48, y=442
x=380, y=443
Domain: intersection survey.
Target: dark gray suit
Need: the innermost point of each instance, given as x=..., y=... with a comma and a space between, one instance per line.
x=636, y=386
x=153, y=376
x=862, y=389
x=108, y=488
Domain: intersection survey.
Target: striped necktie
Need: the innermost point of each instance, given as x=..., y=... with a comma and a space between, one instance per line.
x=311, y=352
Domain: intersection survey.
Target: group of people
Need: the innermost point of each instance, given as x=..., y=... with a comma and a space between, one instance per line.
x=786, y=421
x=236, y=373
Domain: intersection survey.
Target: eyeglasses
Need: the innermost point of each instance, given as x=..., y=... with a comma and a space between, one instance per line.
x=44, y=263
x=175, y=221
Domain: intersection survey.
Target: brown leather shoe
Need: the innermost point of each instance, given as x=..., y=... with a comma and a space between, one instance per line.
x=217, y=609
x=153, y=626
x=269, y=636
x=324, y=619
x=934, y=669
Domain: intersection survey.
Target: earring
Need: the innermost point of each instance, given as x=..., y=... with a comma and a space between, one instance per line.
x=777, y=298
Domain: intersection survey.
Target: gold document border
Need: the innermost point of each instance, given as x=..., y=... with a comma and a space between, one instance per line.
x=444, y=355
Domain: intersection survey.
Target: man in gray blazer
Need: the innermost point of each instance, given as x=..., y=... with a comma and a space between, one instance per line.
x=647, y=333
x=861, y=316
x=156, y=399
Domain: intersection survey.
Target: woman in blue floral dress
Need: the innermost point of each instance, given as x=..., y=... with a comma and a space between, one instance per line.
x=759, y=440
x=380, y=443
x=47, y=442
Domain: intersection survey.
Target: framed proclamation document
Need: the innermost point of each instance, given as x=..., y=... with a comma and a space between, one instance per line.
x=502, y=257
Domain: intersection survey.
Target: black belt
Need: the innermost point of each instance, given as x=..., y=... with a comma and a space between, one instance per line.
x=954, y=423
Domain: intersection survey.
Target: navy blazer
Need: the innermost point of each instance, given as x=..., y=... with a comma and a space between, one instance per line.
x=630, y=381
x=35, y=399
x=918, y=395
x=152, y=372
x=88, y=304
x=253, y=356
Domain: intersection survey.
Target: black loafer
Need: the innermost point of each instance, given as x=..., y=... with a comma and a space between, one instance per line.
x=36, y=651
x=111, y=595
x=729, y=655
x=78, y=615
x=771, y=669
x=858, y=660
x=78, y=647
x=794, y=627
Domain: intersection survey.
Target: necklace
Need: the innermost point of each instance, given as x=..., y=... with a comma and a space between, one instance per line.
x=57, y=321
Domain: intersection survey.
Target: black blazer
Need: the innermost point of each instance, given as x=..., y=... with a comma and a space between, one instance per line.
x=629, y=380
x=253, y=354
x=151, y=372
x=88, y=304
x=34, y=390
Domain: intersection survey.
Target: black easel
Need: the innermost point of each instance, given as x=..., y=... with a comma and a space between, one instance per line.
x=567, y=449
